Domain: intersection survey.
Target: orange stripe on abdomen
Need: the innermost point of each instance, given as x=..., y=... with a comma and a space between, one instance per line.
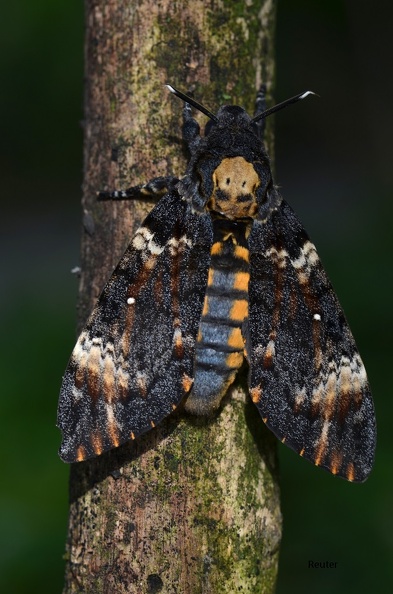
x=220, y=344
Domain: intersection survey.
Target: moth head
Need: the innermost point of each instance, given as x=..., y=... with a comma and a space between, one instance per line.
x=229, y=171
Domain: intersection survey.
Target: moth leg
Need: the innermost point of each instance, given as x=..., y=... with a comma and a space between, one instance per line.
x=260, y=106
x=154, y=190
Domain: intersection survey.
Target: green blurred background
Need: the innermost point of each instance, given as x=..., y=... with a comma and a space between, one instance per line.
x=334, y=164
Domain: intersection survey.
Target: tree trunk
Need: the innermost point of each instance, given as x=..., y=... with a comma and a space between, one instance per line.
x=192, y=506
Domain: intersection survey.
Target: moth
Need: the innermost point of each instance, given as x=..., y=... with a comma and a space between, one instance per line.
x=221, y=274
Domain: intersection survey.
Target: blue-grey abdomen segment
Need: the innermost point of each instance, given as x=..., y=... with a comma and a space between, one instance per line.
x=220, y=345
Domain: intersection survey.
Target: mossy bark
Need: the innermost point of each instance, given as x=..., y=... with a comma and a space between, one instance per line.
x=193, y=506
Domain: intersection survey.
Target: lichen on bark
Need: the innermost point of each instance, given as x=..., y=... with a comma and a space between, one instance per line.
x=192, y=506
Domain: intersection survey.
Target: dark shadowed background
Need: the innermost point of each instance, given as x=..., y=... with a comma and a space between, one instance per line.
x=334, y=165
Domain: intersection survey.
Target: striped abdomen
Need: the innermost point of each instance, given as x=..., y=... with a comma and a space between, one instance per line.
x=219, y=349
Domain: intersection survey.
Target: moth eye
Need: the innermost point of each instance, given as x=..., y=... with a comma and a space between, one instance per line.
x=244, y=183
x=228, y=181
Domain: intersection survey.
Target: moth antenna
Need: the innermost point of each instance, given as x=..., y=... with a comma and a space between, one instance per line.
x=195, y=104
x=283, y=104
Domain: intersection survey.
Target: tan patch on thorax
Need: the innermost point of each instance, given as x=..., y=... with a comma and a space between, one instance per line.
x=235, y=184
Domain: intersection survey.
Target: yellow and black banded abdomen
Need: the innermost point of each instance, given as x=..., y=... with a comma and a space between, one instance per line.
x=220, y=345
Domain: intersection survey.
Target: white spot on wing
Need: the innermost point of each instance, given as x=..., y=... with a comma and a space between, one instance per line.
x=270, y=349
x=110, y=415
x=178, y=245
x=307, y=259
x=154, y=248
x=278, y=256
x=177, y=335
x=143, y=241
x=300, y=397
x=138, y=242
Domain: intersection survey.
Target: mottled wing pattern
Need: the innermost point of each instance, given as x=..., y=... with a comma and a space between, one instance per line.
x=306, y=376
x=133, y=362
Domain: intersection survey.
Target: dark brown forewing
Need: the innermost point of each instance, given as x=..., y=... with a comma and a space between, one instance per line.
x=133, y=362
x=306, y=376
